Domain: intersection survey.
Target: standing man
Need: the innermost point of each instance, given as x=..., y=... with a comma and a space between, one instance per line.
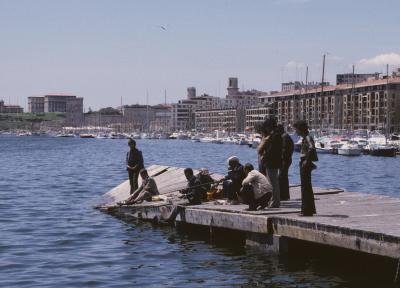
x=287, y=152
x=308, y=155
x=134, y=163
x=270, y=154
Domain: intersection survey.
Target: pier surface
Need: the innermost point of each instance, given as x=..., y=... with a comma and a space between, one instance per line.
x=352, y=220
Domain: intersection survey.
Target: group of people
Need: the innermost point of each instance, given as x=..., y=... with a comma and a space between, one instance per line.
x=266, y=187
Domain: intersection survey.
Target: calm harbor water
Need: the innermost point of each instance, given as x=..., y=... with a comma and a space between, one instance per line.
x=51, y=235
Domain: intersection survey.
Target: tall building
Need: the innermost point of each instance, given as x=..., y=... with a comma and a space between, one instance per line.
x=71, y=105
x=36, y=104
x=236, y=98
x=228, y=119
x=259, y=114
x=372, y=104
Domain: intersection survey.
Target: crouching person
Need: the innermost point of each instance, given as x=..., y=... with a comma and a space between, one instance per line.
x=256, y=190
x=146, y=191
x=193, y=193
x=232, y=182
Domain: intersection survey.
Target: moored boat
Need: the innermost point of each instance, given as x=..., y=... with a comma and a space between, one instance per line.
x=382, y=150
x=349, y=149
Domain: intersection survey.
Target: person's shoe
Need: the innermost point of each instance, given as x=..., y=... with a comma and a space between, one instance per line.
x=265, y=201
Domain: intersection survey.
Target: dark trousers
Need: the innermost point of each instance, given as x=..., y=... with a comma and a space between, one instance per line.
x=133, y=180
x=307, y=194
x=284, y=181
x=247, y=194
x=180, y=210
x=230, y=190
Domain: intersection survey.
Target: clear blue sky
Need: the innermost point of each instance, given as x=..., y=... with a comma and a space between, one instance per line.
x=102, y=50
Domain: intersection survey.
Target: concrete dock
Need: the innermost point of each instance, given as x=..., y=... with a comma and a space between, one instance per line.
x=351, y=220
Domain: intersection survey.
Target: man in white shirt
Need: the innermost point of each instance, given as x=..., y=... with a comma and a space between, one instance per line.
x=256, y=189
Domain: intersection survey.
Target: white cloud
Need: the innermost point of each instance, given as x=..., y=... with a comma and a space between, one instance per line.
x=381, y=59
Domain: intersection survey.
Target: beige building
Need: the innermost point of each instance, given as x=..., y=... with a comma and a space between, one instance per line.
x=258, y=114
x=229, y=120
x=369, y=105
x=71, y=105
x=36, y=104
x=236, y=98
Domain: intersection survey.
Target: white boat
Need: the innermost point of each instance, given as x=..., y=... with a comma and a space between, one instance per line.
x=117, y=136
x=323, y=148
x=229, y=141
x=196, y=138
x=102, y=136
x=87, y=135
x=350, y=149
x=173, y=136
x=24, y=134
x=65, y=135
x=211, y=140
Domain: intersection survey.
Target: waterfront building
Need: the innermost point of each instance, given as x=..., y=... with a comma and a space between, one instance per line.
x=162, y=118
x=10, y=108
x=56, y=103
x=372, y=104
x=297, y=85
x=138, y=116
x=254, y=115
x=182, y=115
x=236, y=98
x=36, y=104
x=349, y=78
x=228, y=119
x=71, y=105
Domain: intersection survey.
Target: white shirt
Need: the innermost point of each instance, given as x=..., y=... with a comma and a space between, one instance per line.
x=259, y=183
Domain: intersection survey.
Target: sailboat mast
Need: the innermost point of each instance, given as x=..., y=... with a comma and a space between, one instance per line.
x=387, y=130
x=352, y=100
x=302, y=116
x=147, y=111
x=322, y=90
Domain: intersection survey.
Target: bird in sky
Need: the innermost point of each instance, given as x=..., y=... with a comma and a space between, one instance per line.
x=162, y=27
